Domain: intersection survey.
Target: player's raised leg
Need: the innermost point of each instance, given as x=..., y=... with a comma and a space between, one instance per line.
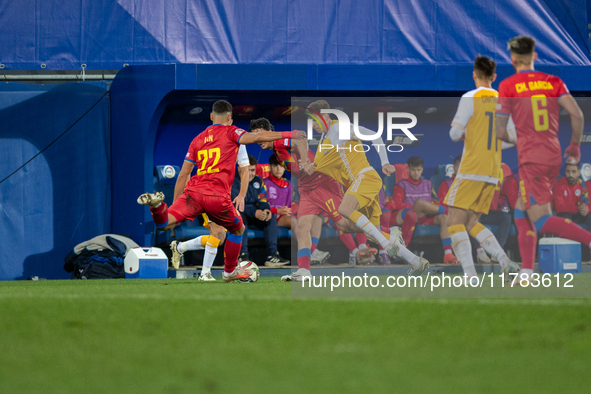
x=349, y=209
x=159, y=209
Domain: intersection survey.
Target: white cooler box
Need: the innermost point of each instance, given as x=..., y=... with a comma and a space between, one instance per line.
x=559, y=255
x=146, y=263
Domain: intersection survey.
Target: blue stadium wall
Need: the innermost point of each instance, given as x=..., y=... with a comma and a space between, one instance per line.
x=259, y=53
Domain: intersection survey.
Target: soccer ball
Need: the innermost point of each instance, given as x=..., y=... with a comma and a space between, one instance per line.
x=252, y=269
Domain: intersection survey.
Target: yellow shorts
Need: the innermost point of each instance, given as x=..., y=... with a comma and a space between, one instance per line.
x=473, y=195
x=366, y=189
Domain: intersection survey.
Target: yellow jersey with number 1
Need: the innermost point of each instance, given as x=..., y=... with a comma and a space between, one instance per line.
x=481, y=158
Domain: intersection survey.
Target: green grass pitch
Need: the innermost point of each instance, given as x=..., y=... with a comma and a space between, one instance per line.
x=185, y=336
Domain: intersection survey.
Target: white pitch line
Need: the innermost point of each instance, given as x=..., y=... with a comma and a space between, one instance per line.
x=260, y=297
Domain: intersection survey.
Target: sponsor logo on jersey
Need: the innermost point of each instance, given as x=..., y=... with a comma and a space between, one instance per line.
x=256, y=185
x=577, y=192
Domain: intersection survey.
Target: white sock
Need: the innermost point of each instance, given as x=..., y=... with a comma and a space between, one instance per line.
x=208, y=259
x=462, y=247
x=354, y=251
x=408, y=256
x=370, y=229
x=362, y=246
x=192, y=244
x=490, y=244
x=525, y=271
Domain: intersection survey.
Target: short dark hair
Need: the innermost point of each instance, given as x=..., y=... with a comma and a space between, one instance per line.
x=319, y=105
x=485, y=67
x=252, y=160
x=458, y=159
x=274, y=161
x=261, y=123
x=578, y=165
x=522, y=49
x=415, y=161
x=522, y=45
x=221, y=107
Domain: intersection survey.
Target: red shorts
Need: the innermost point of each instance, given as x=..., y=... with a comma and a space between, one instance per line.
x=427, y=219
x=219, y=209
x=321, y=201
x=535, y=184
x=295, y=205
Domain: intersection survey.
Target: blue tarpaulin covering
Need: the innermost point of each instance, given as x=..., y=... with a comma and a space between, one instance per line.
x=61, y=197
x=105, y=34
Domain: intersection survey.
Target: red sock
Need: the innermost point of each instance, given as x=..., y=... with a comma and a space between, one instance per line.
x=408, y=225
x=361, y=239
x=446, y=245
x=385, y=219
x=232, y=251
x=304, y=262
x=565, y=228
x=160, y=215
x=527, y=238
x=348, y=241
x=314, y=244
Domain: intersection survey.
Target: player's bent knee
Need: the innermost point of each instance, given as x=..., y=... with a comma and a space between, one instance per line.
x=303, y=228
x=342, y=225
x=240, y=231
x=345, y=210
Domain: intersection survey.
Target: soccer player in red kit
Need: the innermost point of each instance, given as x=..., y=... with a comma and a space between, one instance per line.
x=214, y=151
x=319, y=195
x=533, y=99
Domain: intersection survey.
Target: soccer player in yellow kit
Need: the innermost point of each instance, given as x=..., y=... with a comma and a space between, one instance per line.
x=345, y=161
x=471, y=193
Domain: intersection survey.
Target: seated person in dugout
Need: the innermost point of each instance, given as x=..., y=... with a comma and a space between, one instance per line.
x=257, y=214
x=569, y=196
x=279, y=193
x=411, y=203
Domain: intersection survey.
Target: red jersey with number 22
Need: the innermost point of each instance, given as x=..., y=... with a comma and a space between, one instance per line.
x=531, y=98
x=214, y=152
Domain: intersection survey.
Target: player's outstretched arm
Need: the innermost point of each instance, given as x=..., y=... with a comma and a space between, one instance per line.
x=183, y=178
x=577, y=121
x=301, y=146
x=268, y=136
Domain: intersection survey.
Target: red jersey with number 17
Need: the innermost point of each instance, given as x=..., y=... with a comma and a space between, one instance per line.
x=214, y=152
x=531, y=98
